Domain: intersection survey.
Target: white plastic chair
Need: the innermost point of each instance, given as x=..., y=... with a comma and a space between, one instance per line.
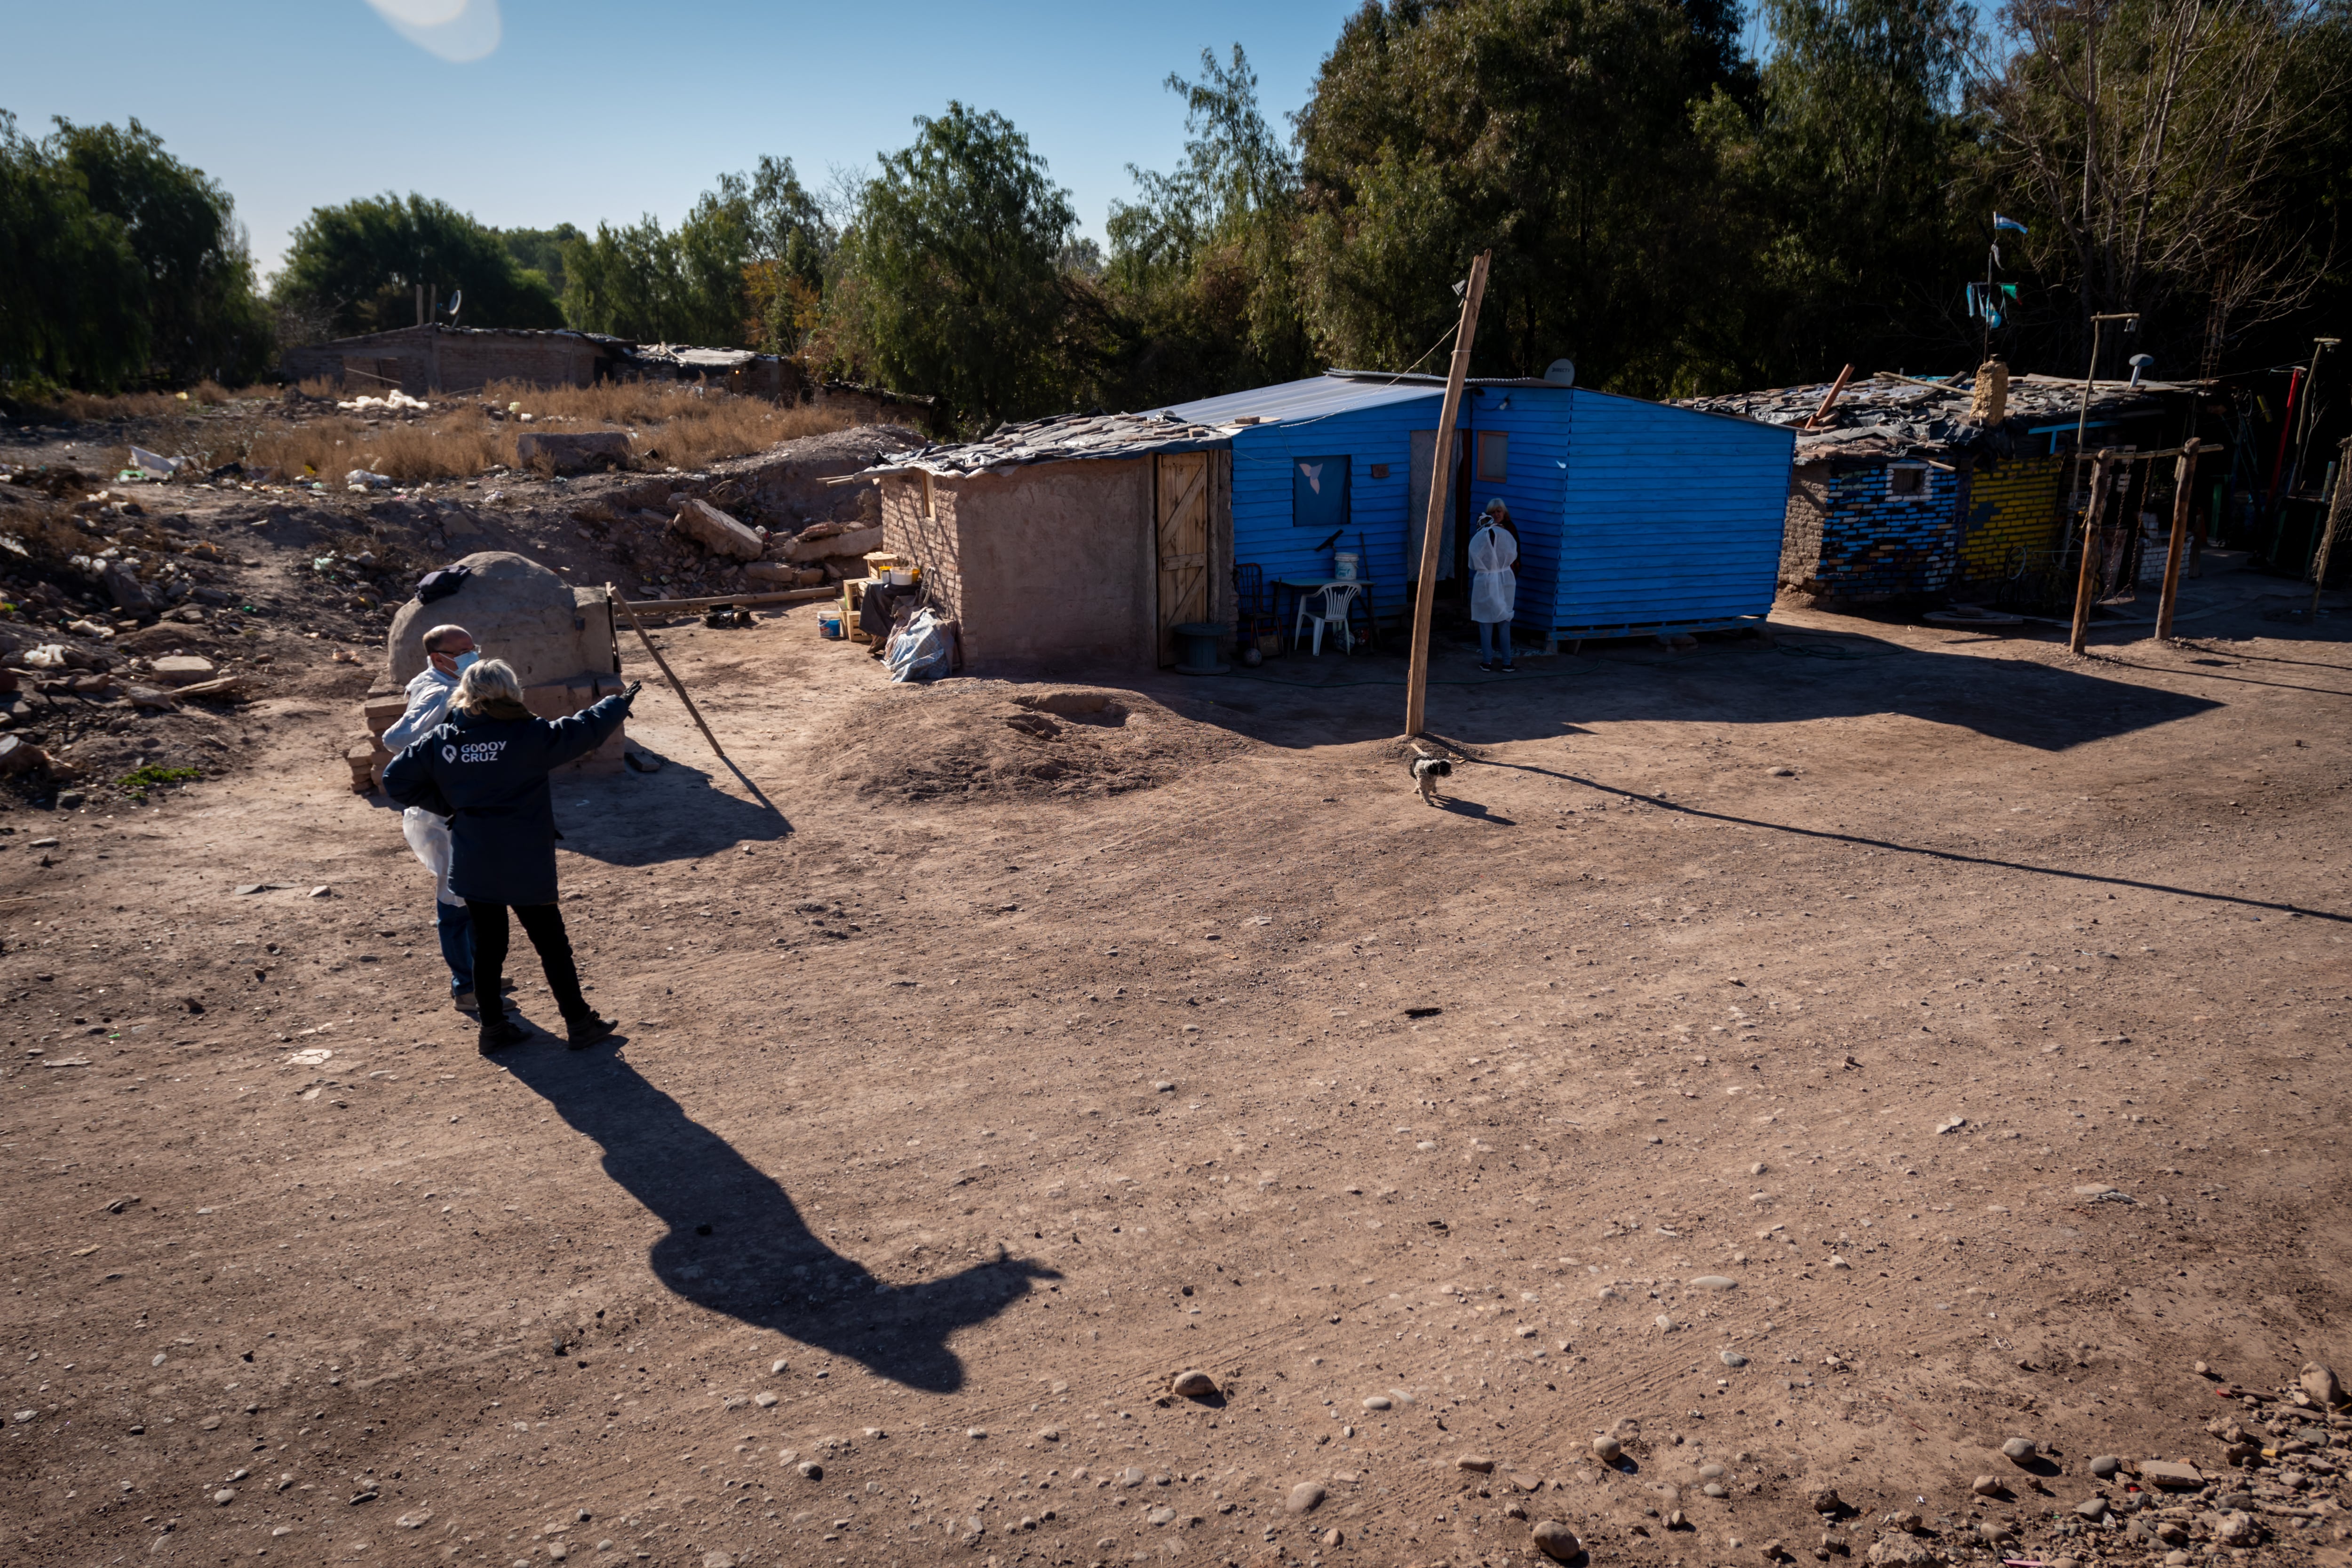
x=1331, y=605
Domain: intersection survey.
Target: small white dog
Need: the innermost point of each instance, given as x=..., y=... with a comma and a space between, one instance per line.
x=1426, y=771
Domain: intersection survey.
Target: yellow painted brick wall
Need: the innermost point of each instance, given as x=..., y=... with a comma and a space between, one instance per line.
x=2014, y=506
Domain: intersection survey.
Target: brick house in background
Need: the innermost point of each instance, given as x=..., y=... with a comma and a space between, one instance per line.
x=1911, y=489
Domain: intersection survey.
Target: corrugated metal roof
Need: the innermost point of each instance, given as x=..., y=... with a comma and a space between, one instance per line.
x=1883, y=415
x=1292, y=401
x=1068, y=437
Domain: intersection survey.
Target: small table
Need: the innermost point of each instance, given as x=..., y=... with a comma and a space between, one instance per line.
x=1339, y=593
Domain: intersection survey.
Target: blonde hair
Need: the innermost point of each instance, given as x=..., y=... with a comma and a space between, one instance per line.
x=485, y=685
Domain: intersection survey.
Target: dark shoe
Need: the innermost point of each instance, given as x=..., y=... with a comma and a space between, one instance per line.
x=1485, y=664
x=1510, y=669
x=465, y=1001
x=499, y=1035
x=587, y=1031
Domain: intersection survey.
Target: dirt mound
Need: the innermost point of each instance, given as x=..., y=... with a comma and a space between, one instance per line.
x=970, y=739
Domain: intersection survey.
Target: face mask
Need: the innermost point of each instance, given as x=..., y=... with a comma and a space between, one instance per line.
x=466, y=660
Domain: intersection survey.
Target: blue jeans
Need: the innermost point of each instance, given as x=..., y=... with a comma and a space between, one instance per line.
x=1493, y=642
x=457, y=924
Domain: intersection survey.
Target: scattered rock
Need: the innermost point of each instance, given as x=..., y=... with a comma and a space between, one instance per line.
x=1607, y=1449
x=1733, y=1358
x=322, y=891
x=811, y=1471
x=975, y=1433
x=2237, y=1528
x=2172, y=1477
x=1378, y=1402
x=1713, y=1282
x=1898, y=1550
x=224, y=1497
x=1049, y=1435
x=764, y=1400
x=1160, y=1516
x=1555, y=1540
x=2106, y=1466
x=2019, y=1450
x=1133, y=1476
x=1335, y=1536
x=779, y=1367
x=1478, y=1462
x=417, y=1520
x=1837, y=1262
x=1783, y=772
x=2319, y=1381
x=1825, y=1500
x=1988, y=1486
x=718, y=1560
x=1713, y=1489
x=2094, y=1509
x=1305, y=1498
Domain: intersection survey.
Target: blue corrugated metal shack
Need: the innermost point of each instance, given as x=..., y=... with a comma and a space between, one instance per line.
x=1631, y=516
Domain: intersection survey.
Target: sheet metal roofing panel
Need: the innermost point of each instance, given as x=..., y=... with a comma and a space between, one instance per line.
x=1292, y=401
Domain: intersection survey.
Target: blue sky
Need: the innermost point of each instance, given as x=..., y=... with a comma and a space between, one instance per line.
x=592, y=109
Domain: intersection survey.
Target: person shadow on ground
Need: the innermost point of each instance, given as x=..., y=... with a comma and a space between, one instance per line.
x=737, y=1243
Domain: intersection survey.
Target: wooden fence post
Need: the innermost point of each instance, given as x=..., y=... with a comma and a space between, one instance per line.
x=2102, y=477
x=2183, y=475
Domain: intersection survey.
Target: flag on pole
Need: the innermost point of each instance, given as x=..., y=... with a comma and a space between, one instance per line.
x=2010, y=224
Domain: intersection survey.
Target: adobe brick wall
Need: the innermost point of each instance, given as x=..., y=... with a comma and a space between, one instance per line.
x=1876, y=545
x=2009, y=507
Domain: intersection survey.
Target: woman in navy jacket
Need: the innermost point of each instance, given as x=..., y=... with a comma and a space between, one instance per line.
x=487, y=769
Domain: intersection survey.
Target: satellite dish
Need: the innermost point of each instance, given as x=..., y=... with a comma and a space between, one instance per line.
x=1561, y=373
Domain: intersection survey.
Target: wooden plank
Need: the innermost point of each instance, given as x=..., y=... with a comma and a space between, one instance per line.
x=786, y=597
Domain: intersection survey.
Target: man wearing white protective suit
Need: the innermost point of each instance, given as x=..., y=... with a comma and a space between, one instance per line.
x=1494, y=587
x=448, y=650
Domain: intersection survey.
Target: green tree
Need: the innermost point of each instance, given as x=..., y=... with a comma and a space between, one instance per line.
x=360, y=263
x=1559, y=133
x=746, y=267
x=196, y=293
x=71, y=283
x=1200, y=289
x=1840, y=183
x=541, y=250
x=951, y=280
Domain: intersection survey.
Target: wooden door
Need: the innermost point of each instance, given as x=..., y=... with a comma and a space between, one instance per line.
x=1181, y=483
x=1424, y=451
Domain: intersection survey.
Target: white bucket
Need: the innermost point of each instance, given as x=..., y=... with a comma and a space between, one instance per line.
x=1343, y=565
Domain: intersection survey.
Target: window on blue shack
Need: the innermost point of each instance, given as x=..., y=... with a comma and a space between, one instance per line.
x=1318, y=492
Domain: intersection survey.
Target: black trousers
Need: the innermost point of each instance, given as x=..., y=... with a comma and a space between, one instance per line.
x=543, y=923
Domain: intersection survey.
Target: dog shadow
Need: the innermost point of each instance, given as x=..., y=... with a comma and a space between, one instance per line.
x=737, y=1243
x=1476, y=812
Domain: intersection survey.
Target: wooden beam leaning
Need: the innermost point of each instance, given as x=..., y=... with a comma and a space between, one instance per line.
x=2183, y=474
x=2102, y=477
x=1837, y=388
x=1441, y=481
x=2334, y=524
x=782, y=597
x=676, y=684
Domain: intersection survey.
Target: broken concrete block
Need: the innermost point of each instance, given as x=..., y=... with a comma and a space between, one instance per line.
x=2176, y=1477
x=856, y=541
x=183, y=669
x=569, y=453
x=716, y=532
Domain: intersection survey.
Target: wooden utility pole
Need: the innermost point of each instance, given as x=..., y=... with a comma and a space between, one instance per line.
x=2334, y=522
x=2183, y=475
x=2102, y=476
x=1441, y=477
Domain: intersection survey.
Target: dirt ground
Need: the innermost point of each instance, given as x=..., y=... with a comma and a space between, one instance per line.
x=980, y=1073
